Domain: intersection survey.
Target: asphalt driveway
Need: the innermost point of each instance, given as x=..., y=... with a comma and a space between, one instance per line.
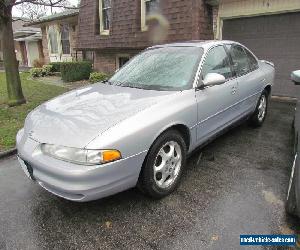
x=238, y=187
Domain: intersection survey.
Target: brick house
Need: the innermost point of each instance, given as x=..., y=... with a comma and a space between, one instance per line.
x=112, y=31
x=59, y=35
x=28, y=43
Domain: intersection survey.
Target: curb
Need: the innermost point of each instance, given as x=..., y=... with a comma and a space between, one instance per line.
x=8, y=153
x=284, y=99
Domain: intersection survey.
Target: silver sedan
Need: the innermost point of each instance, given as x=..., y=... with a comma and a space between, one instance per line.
x=137, y=128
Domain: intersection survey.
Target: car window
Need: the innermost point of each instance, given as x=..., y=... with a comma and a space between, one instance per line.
x=217, y=61
x=252, y=60
x=239, y=57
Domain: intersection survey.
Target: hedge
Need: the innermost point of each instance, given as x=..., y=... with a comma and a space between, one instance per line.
x=98, y=77
x=55, y=66
x=75, y=71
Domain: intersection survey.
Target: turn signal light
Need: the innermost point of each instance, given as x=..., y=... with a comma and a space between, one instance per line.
x=111, y=155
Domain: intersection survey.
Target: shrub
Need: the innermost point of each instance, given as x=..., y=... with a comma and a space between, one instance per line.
x=98, y=77
x=36, y=72
x=55, y=66
x=75, y=71
x=47, y=70
x=44, y=71
x=37, y=63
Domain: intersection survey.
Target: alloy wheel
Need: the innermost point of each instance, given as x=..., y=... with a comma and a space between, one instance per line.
x=167, y=164
x=262, y=108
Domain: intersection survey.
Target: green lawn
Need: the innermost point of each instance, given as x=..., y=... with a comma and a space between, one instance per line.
x=12, y=119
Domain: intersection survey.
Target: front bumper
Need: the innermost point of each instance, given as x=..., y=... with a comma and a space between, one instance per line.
x=77, y=182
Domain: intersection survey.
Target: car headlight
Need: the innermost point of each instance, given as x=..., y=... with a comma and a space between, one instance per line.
x=80, y=156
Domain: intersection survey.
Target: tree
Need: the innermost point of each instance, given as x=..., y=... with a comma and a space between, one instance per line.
x=31, y=11
x=14, y=88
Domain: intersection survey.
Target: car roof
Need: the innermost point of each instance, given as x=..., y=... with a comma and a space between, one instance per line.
x=195, y=43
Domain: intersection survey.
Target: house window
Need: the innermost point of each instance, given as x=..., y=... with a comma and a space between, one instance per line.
x=151, y=6
x=105, y=16
x=88, y=56
x=65, y=39
x=53, y=36
x=148, y=7
x=121, y=60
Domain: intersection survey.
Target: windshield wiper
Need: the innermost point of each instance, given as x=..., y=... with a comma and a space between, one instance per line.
x=157, y=87
x=146, y=87
x=107, y=82
x=131, y=86
x=138, y=86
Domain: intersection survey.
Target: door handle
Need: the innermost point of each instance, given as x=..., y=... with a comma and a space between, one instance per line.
x=233, y=90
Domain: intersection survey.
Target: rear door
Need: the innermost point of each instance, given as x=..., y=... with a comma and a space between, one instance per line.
x=216, y=104
x=250, y=78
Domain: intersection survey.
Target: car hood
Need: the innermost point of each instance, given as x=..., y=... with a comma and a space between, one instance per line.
x=77, y=117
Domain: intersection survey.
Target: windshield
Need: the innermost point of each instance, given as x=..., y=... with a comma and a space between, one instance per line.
x=168, y=68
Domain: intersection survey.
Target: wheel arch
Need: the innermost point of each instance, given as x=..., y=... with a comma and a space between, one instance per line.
x=268, y=89
x=182, y=129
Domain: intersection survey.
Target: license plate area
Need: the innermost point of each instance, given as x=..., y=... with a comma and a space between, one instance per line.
x=26, y=168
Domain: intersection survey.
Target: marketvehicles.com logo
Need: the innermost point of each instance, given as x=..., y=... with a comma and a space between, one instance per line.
x=268, y=240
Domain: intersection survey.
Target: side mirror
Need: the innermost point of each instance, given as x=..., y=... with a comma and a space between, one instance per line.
x=295, y=76
x=212, y=79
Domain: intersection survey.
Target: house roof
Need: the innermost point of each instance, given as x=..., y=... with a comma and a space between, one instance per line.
x=22, y=33
x=56, y=16
x=27, y=30
x=18, y=22
x=29, y=37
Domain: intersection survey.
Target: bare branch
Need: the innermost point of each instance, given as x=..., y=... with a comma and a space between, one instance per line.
x=31, y=11
x=44, y=3
x=36, y=9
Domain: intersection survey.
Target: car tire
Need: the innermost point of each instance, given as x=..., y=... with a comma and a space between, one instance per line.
x=260, y=113
x=163, y=166
x=291, y=203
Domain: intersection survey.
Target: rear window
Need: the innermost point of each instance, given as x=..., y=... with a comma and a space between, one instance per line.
x=252, y=60
x=240, y=60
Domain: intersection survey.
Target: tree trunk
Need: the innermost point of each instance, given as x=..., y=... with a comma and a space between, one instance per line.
x=13, y=82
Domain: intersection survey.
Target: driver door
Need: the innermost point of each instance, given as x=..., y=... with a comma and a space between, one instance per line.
x=216, y=105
